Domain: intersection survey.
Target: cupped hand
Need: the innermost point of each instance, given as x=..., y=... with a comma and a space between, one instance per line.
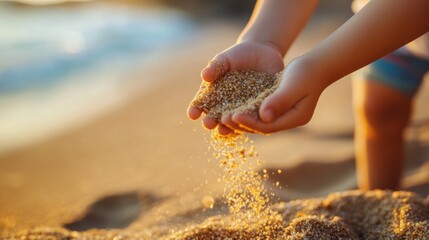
x=290, y=106
x=249, y=55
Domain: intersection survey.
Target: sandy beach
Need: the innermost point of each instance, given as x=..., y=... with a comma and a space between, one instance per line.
x=142, y=169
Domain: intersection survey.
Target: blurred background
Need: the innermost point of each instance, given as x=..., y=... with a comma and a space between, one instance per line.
x=93, y=96
x=59, y=56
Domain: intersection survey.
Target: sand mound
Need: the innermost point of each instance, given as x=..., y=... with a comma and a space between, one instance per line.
x=365, y=215
x=344, y=215
x=236, y=91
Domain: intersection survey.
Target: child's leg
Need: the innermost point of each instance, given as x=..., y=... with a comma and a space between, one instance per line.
x=383, y=101
x=381, y=115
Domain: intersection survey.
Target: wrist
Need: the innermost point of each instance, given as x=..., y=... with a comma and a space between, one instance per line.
x=267, y=43
x=314, y=70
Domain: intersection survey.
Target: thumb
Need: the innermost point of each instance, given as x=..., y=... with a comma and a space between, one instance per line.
x=216, y=68
x=281, y=100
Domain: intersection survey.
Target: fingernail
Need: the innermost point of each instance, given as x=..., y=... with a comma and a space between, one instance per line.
x=205, y=74
x=204, y=69
x=267, y=115
x=209, y=65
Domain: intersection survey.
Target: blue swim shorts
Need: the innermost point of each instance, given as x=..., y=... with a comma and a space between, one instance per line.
x=400, y=69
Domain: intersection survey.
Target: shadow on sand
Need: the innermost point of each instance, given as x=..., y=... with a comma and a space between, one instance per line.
x=114, y=211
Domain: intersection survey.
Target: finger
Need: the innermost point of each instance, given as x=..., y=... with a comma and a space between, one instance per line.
x=278, y=102
x=224, y=130
x=215, y=69
x=227, y=120
x=251, y=124
x=194, y=113
x=294, y=117
x=210, y=123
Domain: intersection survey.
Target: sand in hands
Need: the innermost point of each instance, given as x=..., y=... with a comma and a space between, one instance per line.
x=237, y=92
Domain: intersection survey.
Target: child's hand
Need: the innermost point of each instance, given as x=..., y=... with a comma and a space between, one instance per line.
x=290, y=106
x=257, y=56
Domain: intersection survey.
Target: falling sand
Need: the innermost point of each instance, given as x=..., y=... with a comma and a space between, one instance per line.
x=249, y=213
x=244, y=192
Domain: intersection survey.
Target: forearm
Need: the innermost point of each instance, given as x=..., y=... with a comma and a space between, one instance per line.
x=278, y=22
x=378, y=29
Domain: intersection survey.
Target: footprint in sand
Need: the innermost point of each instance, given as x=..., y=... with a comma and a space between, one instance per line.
x=114, y=211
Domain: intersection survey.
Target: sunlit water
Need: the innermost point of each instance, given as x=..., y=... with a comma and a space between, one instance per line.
x=61, y=66
x=41, y=46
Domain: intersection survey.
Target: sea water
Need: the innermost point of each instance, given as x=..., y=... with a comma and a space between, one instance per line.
x=63, y=65
x=42, y=46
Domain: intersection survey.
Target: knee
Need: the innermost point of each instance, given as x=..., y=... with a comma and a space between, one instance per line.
x=383, y=116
